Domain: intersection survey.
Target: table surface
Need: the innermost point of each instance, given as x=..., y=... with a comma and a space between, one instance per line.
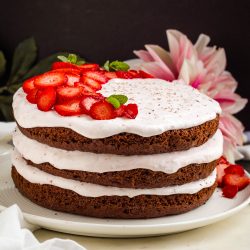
x=230, y=234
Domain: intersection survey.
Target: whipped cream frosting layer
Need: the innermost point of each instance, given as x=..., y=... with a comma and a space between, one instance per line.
x=100, y=163
x=35, y=175
x=162, y=106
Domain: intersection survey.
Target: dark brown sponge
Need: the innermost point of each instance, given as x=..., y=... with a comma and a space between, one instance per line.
x=142, y=206
x=136, y=178
x=125, y=143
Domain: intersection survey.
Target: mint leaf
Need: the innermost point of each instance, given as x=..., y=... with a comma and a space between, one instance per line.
x=117, y=65
x=121, y=98
x=106, y=65
x=63, y=58
x=113, y=101
x=72, y=58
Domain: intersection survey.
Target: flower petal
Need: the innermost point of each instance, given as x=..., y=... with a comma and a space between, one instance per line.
x=144, y=55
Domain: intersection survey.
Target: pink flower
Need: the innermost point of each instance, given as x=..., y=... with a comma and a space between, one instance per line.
x=202, y=67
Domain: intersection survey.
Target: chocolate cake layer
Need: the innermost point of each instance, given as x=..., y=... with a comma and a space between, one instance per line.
x=125, y=143
x=142, y=206
x=136, y=178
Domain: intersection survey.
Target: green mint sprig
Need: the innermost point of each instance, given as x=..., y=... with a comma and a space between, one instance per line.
x=72, y=58
x=116, y=66
x=117, y=100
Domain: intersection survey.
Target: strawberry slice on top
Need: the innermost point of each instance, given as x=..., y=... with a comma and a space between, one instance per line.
x=46, y=98
x=50, y=79
x=102, y=110
x=96, y=85
x=89, y=67
x=63, y=65
x=72, y=78
x=95, y=75
x=65, y=93
x=28, y=85
x=69, y=108
x=87, y=102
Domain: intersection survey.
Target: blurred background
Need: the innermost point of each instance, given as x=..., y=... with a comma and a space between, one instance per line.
x=107, y=29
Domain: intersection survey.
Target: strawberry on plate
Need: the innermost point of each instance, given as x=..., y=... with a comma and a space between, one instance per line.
x=235, y=169
x=28, y=85
x=46, y=99
x=131, y=111
x=69, y=108
x=87, y=102
x=96, y=85
x=63, y=65
x=221, y=172
x=95, y=75
x=235, y=180
x=229, y=191
x=50, y=79
x=102, y=110
x=65, y=93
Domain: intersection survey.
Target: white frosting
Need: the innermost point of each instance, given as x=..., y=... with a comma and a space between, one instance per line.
x=35, y=175
x=162, y=106
x=99, y=163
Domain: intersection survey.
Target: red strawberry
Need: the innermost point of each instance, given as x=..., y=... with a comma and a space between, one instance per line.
x=120, y=111
x=95, y=75
x=72, y=78
x=223, y=160
x=91, y=82
x=110, y=75
x=220, y=173
x=50, y=79
x=124, y=74
x=89, y=67
x=65, y=93
x=134, y=73
x=46, y=98
x=87, y=102
x=68, y=71
x=102, y=110
x=28, y=85
x=31, y=97
x=240, y=181
x=144, y=74
x=131, y=111
x=63, y=65
x=69, y=108
x=86, y=90
x=229, y=191
x=235, y=169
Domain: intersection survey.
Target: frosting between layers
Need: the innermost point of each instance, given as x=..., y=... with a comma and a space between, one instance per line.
x=35, y=175
x=84, y=161
x=162, y=106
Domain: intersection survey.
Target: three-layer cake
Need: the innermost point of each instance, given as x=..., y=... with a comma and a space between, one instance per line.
x=161, y=163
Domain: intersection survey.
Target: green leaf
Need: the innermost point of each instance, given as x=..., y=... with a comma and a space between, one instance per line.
x=6, y=111
x=121, y=98
x=117, y=65
x=106, y=65
x=43, y=65
x=113, y=101
x=24, y=57
x=63, y=58
x=72, y=58
x=2, y=64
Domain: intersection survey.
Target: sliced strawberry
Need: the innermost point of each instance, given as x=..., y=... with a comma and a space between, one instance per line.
x=220, y=173
x=86, y=90
x=50, y=79
x=124, y=74
x=131, y=111
x=240, y=181
x=235, y=169
x=66, y=93
x=89, y=67
x=144, y=74
x=91, y=82
x=102, y=110
x=72, y=78
x=95, y=75
x=87, y=102
x=120, y=111
x=46, y=99
x=28, y=85
x=223, y=160
x=31, y=97
x=63, y=65
x=229, y=191
x=68, y=71
x=69, y=108
x=110, y=75
x=134, y=73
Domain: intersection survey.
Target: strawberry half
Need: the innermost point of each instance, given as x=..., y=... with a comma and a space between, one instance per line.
x=66, y=93
x=46, y=99
x=229, y=191
x=120, y=111
x=69, y=108
x=234, y=180
x=95, y=75
x=131, y=111
x=28, y=85
x=87, y=102
x=102, y=110
x=50, y=79
x=63, y=65
x=89, y=67
x=72, y=78
x=91, y=82
x=31, y=97
x=221, y=172
x=223, y=160
x=235, y=169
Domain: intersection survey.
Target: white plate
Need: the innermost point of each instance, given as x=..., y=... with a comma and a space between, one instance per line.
x=216, y=209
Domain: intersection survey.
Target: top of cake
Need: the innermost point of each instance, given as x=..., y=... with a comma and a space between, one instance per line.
x=162, y=106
